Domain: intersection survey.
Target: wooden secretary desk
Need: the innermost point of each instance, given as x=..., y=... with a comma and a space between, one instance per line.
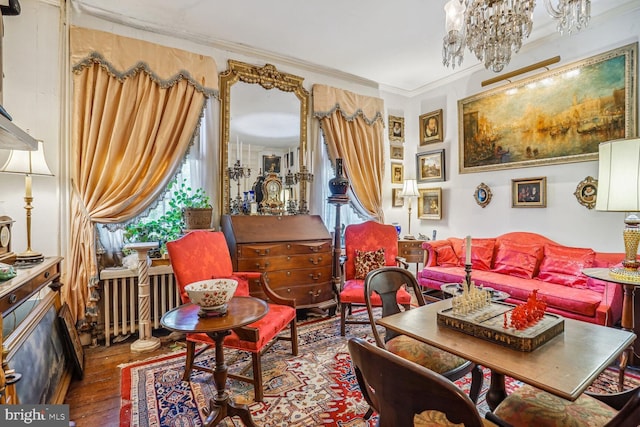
x=294, y=252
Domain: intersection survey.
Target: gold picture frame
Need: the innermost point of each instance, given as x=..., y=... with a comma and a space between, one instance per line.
x=397, y=152
x=397, y=173
x=396, y=128
x=529, y=192
x=431, y=127
x=430, y=203
x=482, y=194
x=557, y=116
x=587, y=192
x=397, y=201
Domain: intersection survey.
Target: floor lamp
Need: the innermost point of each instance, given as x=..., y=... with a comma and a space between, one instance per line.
x=619, y=191
x=410, y=191
x=28, y=163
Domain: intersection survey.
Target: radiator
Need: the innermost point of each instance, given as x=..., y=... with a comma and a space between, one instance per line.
x=119, y=303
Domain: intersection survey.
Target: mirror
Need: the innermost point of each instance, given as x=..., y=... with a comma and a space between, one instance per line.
x=263, y=134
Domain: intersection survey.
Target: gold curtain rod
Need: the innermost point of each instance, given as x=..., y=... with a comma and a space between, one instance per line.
x=522, y=70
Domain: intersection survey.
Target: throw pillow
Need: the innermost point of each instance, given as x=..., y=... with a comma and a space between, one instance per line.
x=563, y=265
x=446, y=257
x=481, y=253
x=517, y=259
x=367, y=261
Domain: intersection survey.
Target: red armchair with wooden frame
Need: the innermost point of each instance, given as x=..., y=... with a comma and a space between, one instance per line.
x=368, y=246
x=201, y=255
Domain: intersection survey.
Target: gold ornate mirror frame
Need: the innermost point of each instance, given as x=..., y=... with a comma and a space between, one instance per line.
x=269, y=78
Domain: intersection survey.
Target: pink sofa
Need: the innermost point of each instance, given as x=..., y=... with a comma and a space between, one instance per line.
x=520, y=262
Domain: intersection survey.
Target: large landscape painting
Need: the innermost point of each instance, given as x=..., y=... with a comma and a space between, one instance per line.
x=558, y=116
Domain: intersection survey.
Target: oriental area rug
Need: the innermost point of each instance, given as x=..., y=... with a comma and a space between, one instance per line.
x=316, y=388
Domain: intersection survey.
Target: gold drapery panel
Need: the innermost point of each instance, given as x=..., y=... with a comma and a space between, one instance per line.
x=353, y=128
x=131, y=127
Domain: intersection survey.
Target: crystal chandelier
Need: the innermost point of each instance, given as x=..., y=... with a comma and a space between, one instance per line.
x=571, y=14
x=494, y=29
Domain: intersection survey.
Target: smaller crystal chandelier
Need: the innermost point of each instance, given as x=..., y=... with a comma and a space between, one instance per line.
x=494, y=29
x=571, y=14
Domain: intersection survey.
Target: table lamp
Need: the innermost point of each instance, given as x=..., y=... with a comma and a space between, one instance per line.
x=28, y=163
x=409, y=191
x=619, y=191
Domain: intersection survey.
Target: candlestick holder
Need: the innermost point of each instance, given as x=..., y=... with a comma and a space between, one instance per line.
x=235, y=173
x=467, y=279
x=303, y=177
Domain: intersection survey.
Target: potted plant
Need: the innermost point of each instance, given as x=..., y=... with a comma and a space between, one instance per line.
x=171, y=224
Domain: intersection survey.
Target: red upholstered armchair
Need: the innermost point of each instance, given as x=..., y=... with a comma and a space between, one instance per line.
x=368, y=246
x=201, y=255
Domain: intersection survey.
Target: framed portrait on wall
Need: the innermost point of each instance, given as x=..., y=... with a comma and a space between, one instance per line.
x=397, y=173
x=396, y=128
x=397, y=201
x=397, y=152
x=431, y=129
x=430, y=166
x=529, y=192
x=271, y=164
x=430, y=203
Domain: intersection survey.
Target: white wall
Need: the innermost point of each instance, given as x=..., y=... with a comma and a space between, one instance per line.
x=32, y=94
x=564, y=219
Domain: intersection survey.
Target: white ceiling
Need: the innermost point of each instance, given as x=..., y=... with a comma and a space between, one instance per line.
x=397, y=44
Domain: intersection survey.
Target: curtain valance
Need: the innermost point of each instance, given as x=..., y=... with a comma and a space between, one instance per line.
x=124, y=56
x=327, y=99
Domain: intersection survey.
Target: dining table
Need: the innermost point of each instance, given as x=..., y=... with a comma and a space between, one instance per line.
x=565, y=365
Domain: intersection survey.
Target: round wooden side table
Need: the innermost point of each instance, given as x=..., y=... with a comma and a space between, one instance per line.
x=240, y=312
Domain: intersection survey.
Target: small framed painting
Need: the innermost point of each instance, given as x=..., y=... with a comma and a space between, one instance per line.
x=529, y=193
x=397, y=173
x=397, y=201
x=587, y=192
x=397, y=152
x=396, y=128
x=430, y=166
x=430, y=203
x=482, y=194
x=271, y=164
x=431, y=127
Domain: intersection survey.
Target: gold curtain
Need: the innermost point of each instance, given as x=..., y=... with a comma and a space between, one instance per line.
x=353, y=128
x=135, y=111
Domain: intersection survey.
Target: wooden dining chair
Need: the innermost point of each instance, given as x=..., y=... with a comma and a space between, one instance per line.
x=529, y=406
x=201, y=255
x=406, y=394
x=368, y=246
x=386, y=283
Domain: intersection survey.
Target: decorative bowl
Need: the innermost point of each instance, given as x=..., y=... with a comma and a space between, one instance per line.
x=212, y=294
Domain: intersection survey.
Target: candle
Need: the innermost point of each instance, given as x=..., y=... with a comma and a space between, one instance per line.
x=468, y=250
x=240, y=153
x=237, y=148
x=249, y=155
x=27, y=183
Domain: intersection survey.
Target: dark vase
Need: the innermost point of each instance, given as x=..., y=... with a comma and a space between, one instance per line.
x=339, y=184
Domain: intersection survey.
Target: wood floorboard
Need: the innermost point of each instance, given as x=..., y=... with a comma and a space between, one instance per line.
x=94, y=401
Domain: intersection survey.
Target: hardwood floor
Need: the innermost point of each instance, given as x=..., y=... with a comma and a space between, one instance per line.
x=95, y=400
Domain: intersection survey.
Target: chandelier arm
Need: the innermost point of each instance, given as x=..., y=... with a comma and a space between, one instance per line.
x=552, y=11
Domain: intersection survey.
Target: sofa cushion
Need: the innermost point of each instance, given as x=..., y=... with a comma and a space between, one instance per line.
x=367, y=261
x=481, y=252
x=446, y=256
x=517, y=259
x=563, y=265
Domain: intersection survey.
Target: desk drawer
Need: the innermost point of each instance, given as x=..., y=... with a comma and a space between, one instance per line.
x=303, y=276
x=276, y=249
x=308, y=295
x=284, y=262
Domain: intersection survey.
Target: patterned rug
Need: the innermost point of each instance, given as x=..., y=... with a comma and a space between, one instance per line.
x=316, y=388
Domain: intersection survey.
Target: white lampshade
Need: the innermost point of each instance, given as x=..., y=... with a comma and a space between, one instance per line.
x=619, y=176
x=410, y=188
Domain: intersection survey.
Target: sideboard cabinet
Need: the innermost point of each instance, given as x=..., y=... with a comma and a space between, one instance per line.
x=294, y=252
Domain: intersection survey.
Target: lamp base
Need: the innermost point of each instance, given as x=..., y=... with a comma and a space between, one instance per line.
x=626, y=274
x=29, y=257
